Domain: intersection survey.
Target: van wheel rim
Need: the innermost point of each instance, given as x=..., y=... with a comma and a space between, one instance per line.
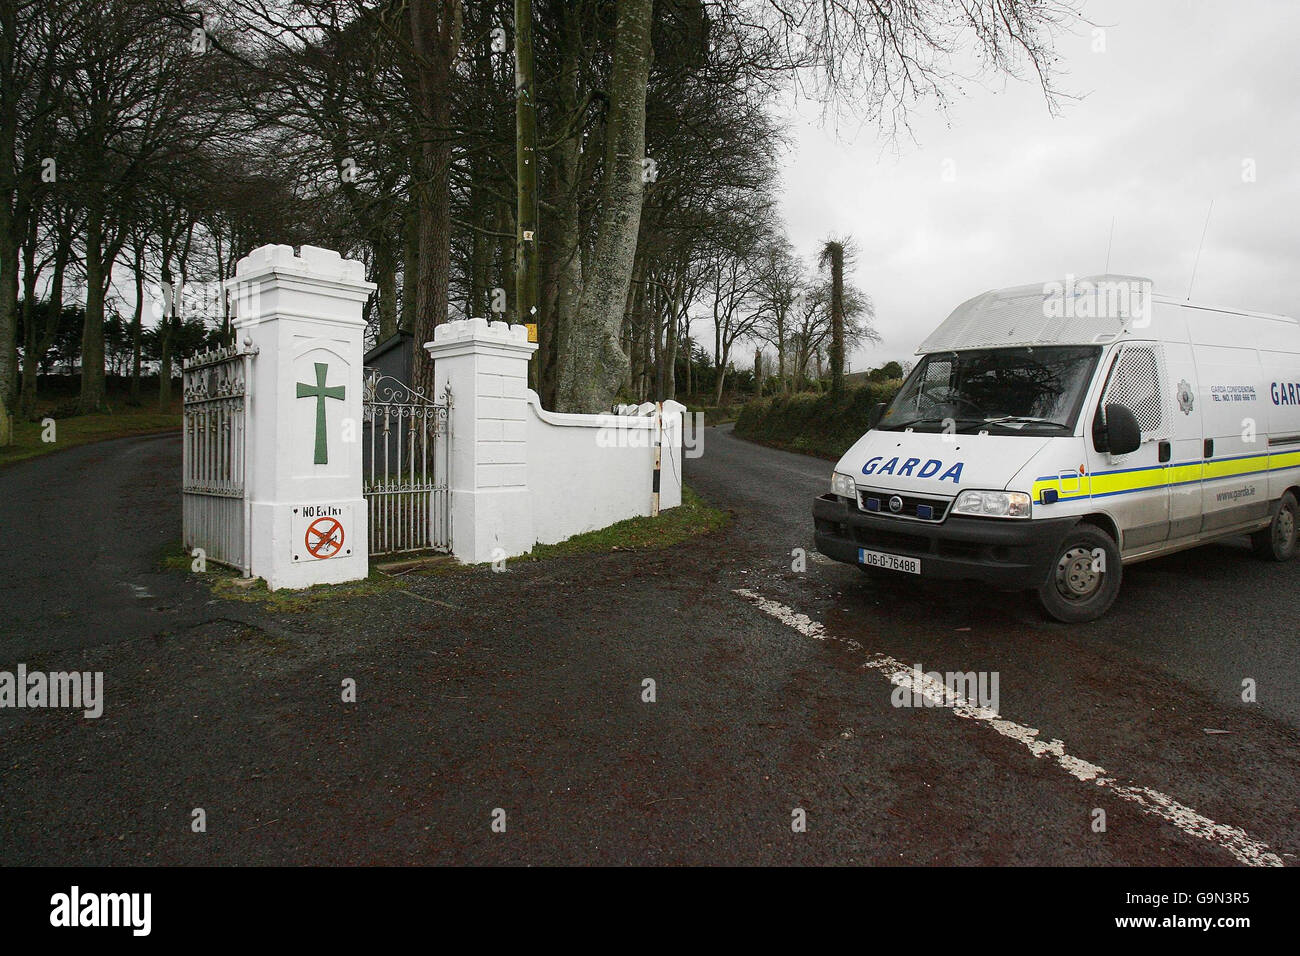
x=1284, y=530
x=1075, y=577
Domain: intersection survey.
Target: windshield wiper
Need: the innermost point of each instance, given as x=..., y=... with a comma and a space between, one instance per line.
x=1027, y=419
x=937, y=420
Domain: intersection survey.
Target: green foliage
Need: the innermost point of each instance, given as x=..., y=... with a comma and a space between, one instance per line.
x=886, y=372
x=715, y=414
x=814, y=423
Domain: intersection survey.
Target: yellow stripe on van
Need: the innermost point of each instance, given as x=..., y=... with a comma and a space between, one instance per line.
x=1109, y=484
x=1103, y=484
x=1232, y=467
x=1286, y=459
x=1184, y=473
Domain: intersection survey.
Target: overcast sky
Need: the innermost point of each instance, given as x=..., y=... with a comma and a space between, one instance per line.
x=1184, y=93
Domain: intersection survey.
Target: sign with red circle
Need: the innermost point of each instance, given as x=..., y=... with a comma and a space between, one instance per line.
x=324, y=538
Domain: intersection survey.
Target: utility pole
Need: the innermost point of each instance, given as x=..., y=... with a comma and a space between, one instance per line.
x=526, y=264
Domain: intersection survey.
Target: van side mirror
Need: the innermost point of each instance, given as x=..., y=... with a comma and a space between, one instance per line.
x=877, y=413
x=1123, y=433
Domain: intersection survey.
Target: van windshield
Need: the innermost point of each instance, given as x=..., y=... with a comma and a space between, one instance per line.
x=1009, y=390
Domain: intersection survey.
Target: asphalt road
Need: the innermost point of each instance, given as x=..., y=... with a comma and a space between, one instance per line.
x=523, y=692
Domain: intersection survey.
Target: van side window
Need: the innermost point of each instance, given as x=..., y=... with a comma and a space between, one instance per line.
x=1135, y=383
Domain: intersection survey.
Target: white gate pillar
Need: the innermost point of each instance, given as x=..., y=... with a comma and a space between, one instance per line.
x=303, y=316
x=486, y=366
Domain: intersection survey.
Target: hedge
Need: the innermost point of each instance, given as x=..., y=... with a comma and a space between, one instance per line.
x=813, y=423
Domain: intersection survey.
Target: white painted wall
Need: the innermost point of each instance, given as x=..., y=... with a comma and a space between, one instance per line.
x=522, y=475
x=590, y=471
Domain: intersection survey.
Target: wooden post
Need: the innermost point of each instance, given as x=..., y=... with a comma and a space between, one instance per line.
x=526, y=240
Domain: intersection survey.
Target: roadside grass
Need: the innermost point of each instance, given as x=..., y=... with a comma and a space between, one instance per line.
x=692, y=518
x=84, y=429
x=226, y=583
x=120, y=421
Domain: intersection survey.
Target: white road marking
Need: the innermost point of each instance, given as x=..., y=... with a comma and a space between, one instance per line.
x=1236, y=841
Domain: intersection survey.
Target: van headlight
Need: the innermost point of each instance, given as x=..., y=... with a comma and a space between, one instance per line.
x=992, y=504
x=844, y=485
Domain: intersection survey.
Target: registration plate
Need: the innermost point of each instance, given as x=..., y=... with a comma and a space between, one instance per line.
x=890, y=562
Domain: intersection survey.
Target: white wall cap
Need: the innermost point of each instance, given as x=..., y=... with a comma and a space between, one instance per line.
x=478, y=330
x=313, y=261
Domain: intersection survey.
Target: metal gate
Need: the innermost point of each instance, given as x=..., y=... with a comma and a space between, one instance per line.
x=214, y=511
x=407, y=467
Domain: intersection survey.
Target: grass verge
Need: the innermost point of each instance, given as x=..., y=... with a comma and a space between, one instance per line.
x=225, y=583
x=82, y=430
x=694, y=516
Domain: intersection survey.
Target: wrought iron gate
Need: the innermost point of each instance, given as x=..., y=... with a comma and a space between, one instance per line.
x=407, y=467
x=215, y=428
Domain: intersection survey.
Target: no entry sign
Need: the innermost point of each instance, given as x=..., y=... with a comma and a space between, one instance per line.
x=320, y=532
x=324, y=538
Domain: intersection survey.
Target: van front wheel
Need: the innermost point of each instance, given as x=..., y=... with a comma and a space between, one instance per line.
x=1277, y=542
x=1084, y=579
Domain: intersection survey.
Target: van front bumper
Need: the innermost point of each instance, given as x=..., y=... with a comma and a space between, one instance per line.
x=1006, y=553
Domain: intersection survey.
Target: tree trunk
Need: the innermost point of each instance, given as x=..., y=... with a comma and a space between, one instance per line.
x=386, y=280
x=837, y=319
x=668, y=387
x=137, y=326
x=165, y=329
x=435, y=33
x=564, y=251
x=690, y=364
x=410, y=264
x=8, y=320
x=93, y=393
x=54, y=312
x=26, y=395
x=722, y=373
x=592, y=362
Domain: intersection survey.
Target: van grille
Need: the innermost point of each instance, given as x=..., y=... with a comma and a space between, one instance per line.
x=915, y=507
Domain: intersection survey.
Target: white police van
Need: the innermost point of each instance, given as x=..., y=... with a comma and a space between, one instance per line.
x=1051, y=434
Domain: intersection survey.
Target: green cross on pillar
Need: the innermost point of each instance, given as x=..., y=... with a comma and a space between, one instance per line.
x=320, y=393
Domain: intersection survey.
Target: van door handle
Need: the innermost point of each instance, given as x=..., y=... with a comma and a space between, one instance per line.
x=1209, y=448
x=1166, y=451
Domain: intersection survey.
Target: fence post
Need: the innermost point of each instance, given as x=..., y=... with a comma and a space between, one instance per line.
x=486, y=366
x=303, y=315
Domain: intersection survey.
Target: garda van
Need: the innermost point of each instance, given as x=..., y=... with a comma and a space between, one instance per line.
x=1051, y=434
